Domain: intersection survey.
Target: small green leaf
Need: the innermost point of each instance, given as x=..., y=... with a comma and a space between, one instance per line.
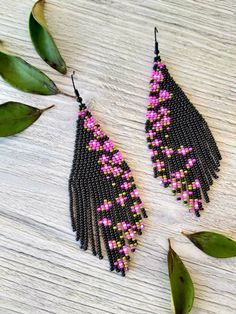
x=24, y=76
x=16, y=117
x=182, y=290
x=42, y=39
x=213, y=244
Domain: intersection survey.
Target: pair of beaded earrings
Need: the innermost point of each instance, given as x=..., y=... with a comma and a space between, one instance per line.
x=104, y=200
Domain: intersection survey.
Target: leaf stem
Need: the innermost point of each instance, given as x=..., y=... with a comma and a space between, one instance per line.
x=68, y=95
x=169, y=244
x=45, y=109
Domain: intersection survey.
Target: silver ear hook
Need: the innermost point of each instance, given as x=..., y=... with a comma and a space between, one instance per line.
x=75, y=89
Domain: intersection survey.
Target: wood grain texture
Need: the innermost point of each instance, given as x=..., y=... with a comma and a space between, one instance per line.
x=110, y=45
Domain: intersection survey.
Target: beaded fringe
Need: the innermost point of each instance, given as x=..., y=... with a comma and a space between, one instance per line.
x=104, y=201
x=182, y=148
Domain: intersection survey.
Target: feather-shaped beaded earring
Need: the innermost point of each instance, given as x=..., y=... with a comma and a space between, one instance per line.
x=183, y=151
x=104, y=201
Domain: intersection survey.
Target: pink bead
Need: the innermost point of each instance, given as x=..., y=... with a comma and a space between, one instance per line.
x=157, y=126
x=106, y=168
x=197, y=183
x=98, y=132
x=90, y=123
x=108, y=145
x=154, y=86
x=105, y=222
x=127, y=174
x=164, y=94
x=151, y=152
x=82, y=113
x=94, y=144
x=160, y=65
x=104, y=158
x=126, y=185
x=184, y=194
x=174, y=185
x=134, y=193
x=157, y=76
x=153, y=101
x=116, y=171
x=106, y=205
x=151, y=115
x=150, y=134
x=163, y=110
x=117, y=158
x=156, y=142
x=121, y=200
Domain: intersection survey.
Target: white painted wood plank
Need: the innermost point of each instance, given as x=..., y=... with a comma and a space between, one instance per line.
x=110, y=45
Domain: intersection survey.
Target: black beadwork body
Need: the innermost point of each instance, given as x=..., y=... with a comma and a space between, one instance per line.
x=187, y=129
x=88, y=188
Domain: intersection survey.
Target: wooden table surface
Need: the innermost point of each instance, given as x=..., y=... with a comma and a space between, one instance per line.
x=110, y=46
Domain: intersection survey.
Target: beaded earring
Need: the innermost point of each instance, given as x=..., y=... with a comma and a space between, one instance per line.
x=104, y=201
x=183, y=151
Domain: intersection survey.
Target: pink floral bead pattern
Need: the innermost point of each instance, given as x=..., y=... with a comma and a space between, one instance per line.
x=105, y=222
x=122, y=263
x=82, y=113
x=151, y=115
x=124, y=249
x=116, y=171
x=153, y=101
x=106, y=168
x=123, y=226
x=90, y=123
x=158, y=126
x=127, y=175
x=154, y=86
x=136, y=207
x=190, y=162
x=164, y=94
x=94, y=145
x=163, y=111
x=130, y=234
x=113, y=244
x=157, y=76
x=121, y=199
x=159, y=164
x=168, y=151
x=98, y=133
x=134, y=193
x=152, y=152
x=184, y=150
x=104, y=158
x=126, y=185
x=156, y=142
x=107, y=205
x=151, y=134
x=108, y=145
x=117, y=158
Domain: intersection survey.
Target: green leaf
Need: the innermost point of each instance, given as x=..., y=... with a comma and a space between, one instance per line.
x=24, y=76
x=182, y=290
x=213, y=244
x=16, y=117
x=42, y=39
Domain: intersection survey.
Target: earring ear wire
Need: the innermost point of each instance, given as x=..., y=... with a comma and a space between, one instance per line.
x=156, y=51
